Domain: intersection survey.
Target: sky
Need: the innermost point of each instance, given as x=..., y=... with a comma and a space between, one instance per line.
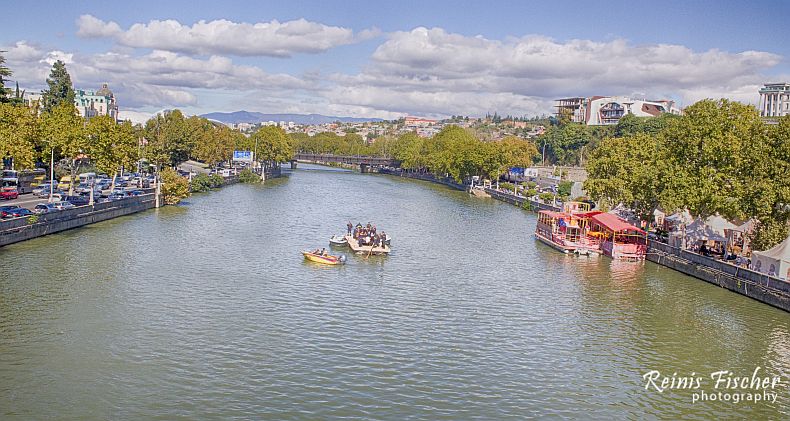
x=390, y=59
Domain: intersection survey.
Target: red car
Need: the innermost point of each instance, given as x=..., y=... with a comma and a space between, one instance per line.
x=9, y=193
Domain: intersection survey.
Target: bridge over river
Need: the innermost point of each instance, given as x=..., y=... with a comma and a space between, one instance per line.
x=364, y=162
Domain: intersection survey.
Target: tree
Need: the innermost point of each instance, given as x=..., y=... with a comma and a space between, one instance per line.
x=5, y=72
x=509, y=152
x=60, y=89
x=713, y=149
x=630, y=170
x=274, y=145
x=174, y=187
x=62, y=129
x=111, y=146
x=19, y=134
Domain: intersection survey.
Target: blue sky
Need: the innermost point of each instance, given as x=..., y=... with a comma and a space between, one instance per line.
x=387, y=59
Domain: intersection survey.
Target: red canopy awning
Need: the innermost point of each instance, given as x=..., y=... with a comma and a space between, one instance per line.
x=614, y=223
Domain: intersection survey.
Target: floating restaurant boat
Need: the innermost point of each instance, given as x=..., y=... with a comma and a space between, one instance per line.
x=566, y=231
x=619, y=239
x=366, y=249
x=327, y=260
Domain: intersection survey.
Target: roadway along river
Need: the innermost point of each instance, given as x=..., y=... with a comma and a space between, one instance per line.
x=208, y=311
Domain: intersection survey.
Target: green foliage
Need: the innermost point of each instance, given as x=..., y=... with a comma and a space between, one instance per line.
x=5, y=72
x=531, y=184
x=19, y=134
x=32, y=219
x=174, y=187
x=247, y=176
x=768, y=233
x=273, y=144
x=569, y=144
x=564, y=189
x=200, y=183
x=110, y=145
x=546, y=197
x=631, y=125
x=531, y=192
x=507, y=186
x=719, y=157
x=216, y=180
x=60, y=90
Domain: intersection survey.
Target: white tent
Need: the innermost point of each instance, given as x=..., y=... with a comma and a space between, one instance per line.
x=710, y=229
x=774, y=262
x=680, y=217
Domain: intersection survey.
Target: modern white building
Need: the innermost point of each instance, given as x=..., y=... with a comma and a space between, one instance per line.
x=774, y=100
x=605, y=110
x=96, y=103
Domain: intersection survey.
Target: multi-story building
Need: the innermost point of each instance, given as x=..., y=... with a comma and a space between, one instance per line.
x=605, y=110
x=95, y=103
x=774, y=100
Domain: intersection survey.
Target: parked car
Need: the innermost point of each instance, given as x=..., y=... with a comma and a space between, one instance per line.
x=9, y=193
x=63, y=205
x=46, y=208
x=45, y=192
x=121, y=183
x=76, y=200
x=135, y=192
x=86, y=188
x=7, y=208
x=43, y=188
x=119, y=191
x=117, y=196
x=15, y=213
x=102, y=185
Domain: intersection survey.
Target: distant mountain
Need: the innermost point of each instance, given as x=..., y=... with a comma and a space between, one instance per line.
x=255, y=117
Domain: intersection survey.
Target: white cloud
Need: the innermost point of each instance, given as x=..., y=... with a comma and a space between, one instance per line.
x=91, y=27
x=421, y=72
x=426, y=69
x=276, y=39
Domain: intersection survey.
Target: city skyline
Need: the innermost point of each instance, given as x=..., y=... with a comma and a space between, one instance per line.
x=385, y=61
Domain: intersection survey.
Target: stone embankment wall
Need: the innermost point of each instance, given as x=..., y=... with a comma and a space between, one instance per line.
x=449, y=182
x=21, y=229
x=758, y=286
x=520, y=201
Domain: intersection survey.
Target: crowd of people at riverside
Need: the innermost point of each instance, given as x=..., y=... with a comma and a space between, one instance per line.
x=367, y=235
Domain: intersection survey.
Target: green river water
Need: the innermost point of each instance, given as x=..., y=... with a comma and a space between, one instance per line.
x=208, y=311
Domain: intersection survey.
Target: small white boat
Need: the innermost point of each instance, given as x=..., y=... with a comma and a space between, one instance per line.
x=338, y=240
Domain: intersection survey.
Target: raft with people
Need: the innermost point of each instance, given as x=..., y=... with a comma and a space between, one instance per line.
x=367, y=239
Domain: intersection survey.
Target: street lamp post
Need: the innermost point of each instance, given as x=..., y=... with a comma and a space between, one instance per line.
x=51, y=172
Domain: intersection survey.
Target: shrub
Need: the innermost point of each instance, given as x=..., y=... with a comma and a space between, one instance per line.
x=247, y=176
x=216, y=180
x=531, y=192
x=201, y=183
x=174, y=187
x=506, y=186
x=531, y=184
x=546, y=197
x=564, y=188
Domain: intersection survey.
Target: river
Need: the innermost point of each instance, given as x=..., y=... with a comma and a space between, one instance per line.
x=208, y=311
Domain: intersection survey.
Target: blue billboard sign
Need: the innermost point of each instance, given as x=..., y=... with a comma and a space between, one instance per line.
x=517, y=171
x=242, y=155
